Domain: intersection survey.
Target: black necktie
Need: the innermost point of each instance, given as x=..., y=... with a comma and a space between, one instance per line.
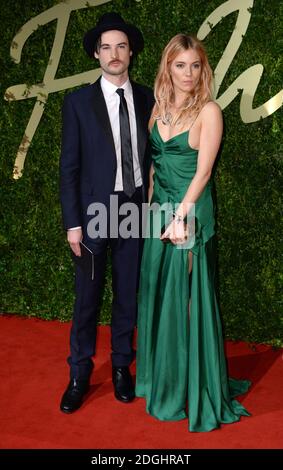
x=126, y=146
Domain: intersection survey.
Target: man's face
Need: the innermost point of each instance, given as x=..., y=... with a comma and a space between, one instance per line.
x=114, y=53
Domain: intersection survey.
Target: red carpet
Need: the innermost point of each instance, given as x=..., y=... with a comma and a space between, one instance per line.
x=34, y=374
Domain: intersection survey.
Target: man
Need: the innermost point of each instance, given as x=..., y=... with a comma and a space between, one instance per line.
x=104, y=153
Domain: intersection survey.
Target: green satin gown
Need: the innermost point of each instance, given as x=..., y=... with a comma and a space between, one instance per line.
x=181, y=366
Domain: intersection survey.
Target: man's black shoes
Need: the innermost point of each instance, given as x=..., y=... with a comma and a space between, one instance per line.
x=123, y=385
x=74, y=395
x=77, y=389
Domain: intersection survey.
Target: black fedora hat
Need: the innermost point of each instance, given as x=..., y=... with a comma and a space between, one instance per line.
x=113, y=21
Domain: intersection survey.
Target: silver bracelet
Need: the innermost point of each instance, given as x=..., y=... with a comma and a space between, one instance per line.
x=178, y=218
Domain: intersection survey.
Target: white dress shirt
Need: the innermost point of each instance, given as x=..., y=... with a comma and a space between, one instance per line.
x=112, y=100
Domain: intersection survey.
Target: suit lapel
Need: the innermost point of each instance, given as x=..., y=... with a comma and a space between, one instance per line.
x=100, y=109
x=141, y=112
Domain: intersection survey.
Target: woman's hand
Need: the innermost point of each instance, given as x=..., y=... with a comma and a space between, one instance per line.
x=176, y=232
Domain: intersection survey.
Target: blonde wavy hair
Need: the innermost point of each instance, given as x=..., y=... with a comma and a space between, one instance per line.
x=163, y=86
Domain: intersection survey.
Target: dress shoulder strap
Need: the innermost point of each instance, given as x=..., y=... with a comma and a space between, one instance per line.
x=197, y=117
x=194, y=121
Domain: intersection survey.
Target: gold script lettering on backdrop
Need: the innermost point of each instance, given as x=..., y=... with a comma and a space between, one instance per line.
x=61, y=13
x=247, y=82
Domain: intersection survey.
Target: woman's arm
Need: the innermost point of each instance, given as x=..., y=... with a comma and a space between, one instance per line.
x=210, y=139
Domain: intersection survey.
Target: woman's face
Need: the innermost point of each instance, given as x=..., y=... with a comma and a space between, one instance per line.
x=185, y=71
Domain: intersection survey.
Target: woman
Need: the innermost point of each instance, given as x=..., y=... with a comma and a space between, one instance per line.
x=180, y=356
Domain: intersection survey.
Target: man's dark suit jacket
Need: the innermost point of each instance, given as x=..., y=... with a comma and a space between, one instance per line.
x=88, y=160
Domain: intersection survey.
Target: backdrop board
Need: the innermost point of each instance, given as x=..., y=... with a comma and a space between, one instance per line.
x=42, y=58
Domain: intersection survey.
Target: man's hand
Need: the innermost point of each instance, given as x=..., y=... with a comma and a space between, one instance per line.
x=74, y=237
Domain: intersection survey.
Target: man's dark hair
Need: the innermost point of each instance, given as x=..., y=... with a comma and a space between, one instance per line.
x=98, y=44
